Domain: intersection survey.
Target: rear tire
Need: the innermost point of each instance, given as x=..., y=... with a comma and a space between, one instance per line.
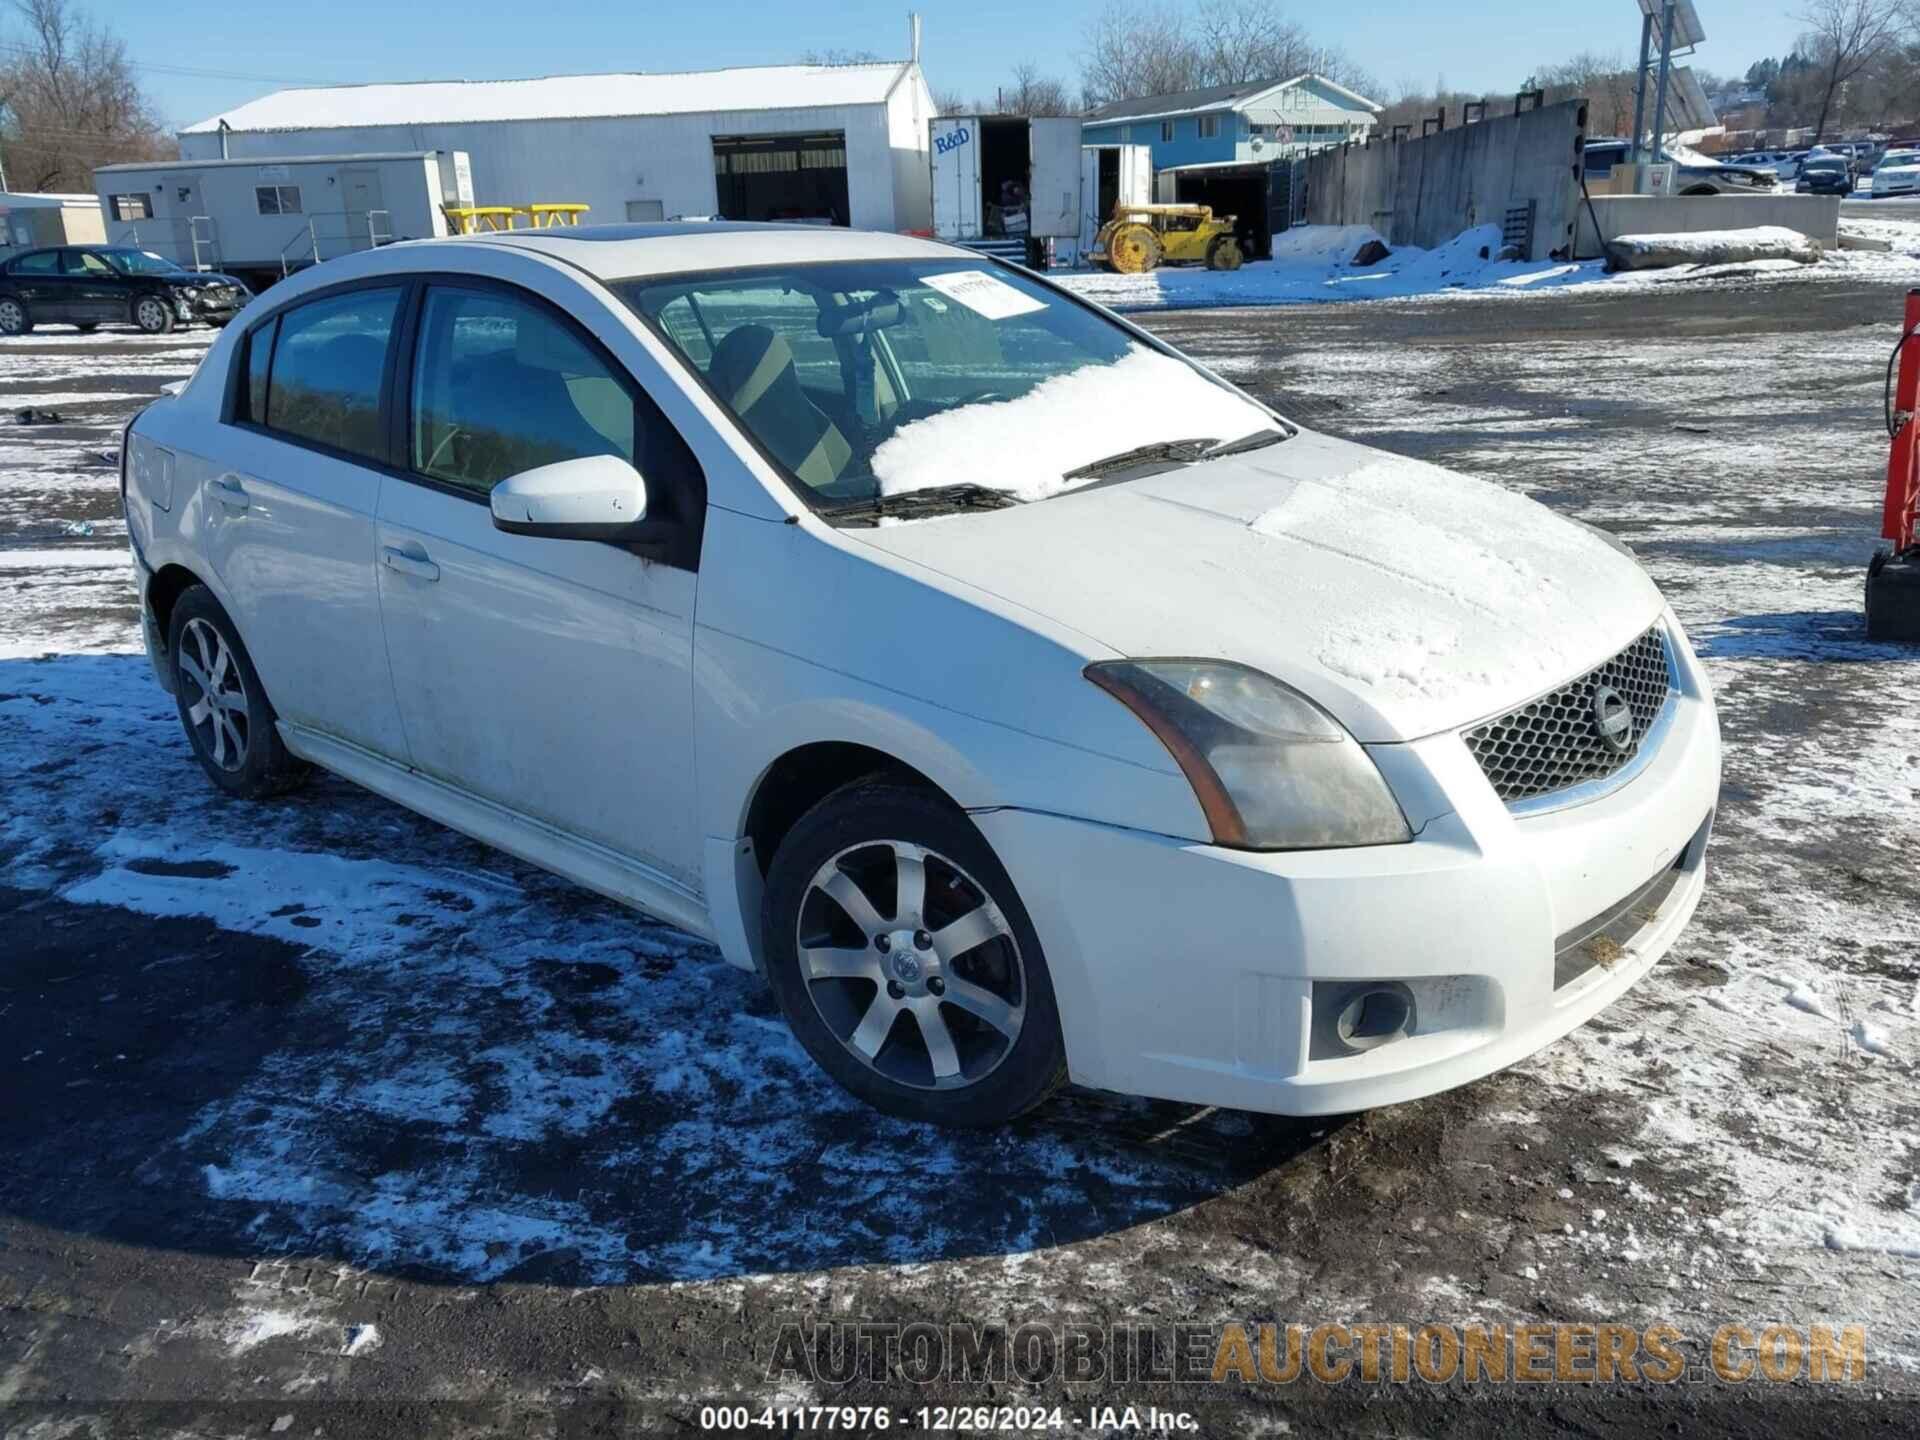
x=222, y=704
x=15, y=318
x=921, y=987
x=153, y=315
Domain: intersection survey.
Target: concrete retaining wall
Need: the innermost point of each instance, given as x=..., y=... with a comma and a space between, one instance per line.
x=1815, y=216
x=1424, y=192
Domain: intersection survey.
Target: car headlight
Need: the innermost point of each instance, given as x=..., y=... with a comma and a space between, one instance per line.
x=1271, y=769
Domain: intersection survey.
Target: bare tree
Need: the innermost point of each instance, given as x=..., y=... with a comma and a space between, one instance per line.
x=1032, y=93
x=951, y=102
x=1164, y=49
x=1845, y=37
x=70, y=101
x=1604, y=81
x=839, y=57
x=1144, y=52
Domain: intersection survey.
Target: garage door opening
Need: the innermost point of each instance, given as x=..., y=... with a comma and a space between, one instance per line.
x=782, y=177
x=1243, y=193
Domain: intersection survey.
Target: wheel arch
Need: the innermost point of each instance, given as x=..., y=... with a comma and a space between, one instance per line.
x=169, y=583
x=796, y=779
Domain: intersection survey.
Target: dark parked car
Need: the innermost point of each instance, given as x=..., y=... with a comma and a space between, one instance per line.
x=1702, y=177
x=1825, y=175
x=89, y=285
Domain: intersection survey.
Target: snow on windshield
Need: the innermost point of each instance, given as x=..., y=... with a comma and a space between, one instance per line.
x=1025, y=445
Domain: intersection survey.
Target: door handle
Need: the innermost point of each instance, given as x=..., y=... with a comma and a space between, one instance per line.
x=230, y=492
x=412, y=562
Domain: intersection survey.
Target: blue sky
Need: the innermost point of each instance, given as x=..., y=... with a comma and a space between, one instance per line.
x=967, y=47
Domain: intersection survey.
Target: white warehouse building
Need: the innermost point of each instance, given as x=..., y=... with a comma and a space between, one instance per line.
x=845, y=144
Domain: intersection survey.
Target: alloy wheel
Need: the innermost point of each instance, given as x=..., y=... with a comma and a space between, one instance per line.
x=219, y=713
x=911, y=965
x=12, y=318
x=152, y=315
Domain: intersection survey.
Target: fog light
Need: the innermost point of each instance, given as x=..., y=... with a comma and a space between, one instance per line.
x=1372, y=1018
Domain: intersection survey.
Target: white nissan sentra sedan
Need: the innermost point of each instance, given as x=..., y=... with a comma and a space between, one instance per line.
x=1021, y=700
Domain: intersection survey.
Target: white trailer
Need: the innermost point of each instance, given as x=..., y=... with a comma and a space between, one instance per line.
x=1006, y=184
x=262, y=219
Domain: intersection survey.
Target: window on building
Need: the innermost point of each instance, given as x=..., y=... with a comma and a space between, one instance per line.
x=1209, y=127
x=277, y=199
x=502, y=386
x=1166, y=129
x=326, y=370
x=138, y=206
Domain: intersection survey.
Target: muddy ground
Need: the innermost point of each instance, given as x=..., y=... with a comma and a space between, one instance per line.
x=318, y=1119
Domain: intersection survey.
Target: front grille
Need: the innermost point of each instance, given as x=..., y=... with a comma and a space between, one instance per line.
x=1555, y=742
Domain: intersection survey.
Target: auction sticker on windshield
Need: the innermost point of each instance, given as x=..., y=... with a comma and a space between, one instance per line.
x=983, y=294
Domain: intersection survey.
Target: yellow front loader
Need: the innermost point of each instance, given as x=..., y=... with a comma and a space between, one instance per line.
x=1139, y=237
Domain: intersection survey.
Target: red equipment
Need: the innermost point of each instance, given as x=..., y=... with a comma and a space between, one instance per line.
x=1893, y=577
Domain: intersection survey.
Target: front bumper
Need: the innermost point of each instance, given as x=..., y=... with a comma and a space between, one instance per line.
x=1189, y=972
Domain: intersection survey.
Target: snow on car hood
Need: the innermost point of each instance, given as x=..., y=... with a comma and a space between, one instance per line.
x=1403, y=597
x=1142, y=398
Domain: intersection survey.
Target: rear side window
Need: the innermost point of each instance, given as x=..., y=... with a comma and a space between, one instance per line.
x=502, y=386
x=44, y=262
x=324, y=381
x=259, y=358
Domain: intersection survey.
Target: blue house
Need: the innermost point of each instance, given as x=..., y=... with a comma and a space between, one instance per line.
x=1260, y=121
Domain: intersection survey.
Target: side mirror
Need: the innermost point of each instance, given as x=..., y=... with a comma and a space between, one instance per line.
x=597, y=497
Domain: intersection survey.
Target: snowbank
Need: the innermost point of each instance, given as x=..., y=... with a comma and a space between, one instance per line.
x=1710, y=247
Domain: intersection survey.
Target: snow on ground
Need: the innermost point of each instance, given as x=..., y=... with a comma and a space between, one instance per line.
x=1311, y=265
x=490, y=1065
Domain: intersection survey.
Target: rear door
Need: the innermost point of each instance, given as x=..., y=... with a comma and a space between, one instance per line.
x=287, y=513
x=36, y=279
x=956, y=178
x=1054, y=189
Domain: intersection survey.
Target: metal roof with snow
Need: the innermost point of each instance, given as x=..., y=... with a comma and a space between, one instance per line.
x=1218, y=97
x=563, y=97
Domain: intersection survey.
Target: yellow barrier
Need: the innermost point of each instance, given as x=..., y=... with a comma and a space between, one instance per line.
x=473, y=219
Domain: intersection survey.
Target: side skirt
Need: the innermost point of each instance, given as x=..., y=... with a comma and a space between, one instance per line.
x=618, y=877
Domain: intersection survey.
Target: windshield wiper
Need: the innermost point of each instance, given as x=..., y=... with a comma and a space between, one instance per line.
x=917, y=504
x=1178, y=451
x=1258, y=440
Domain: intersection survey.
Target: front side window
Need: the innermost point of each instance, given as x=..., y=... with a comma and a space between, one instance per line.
x=500, y=385
x=138, y=262
x=327, y=366
x=85, y=262
x=871, y=379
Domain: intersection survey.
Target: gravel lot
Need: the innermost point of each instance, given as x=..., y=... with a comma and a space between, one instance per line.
x=272, y=1075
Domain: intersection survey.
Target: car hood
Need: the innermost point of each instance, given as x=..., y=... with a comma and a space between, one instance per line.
x=1404, y=598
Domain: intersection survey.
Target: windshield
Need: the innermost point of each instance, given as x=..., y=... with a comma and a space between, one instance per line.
x=874, y=379
x=1899, y=157
x=138, y=262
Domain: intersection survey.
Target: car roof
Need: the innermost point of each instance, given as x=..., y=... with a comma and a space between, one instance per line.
x=615, y=252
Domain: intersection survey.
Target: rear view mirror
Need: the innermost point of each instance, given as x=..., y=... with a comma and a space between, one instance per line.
x=597, y=497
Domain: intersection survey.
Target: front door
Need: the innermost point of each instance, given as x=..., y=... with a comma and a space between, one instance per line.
x=180, y=201
x=287, y=516
x=99, y=292
x=552, y=677
x=365, y=202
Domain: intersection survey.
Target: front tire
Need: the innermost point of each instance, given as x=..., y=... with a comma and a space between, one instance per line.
x=153, y=315
x=906, y=964
x=15, y=319
x=223, y=706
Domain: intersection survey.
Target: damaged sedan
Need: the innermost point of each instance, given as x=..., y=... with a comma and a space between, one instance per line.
x=1022, y=701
